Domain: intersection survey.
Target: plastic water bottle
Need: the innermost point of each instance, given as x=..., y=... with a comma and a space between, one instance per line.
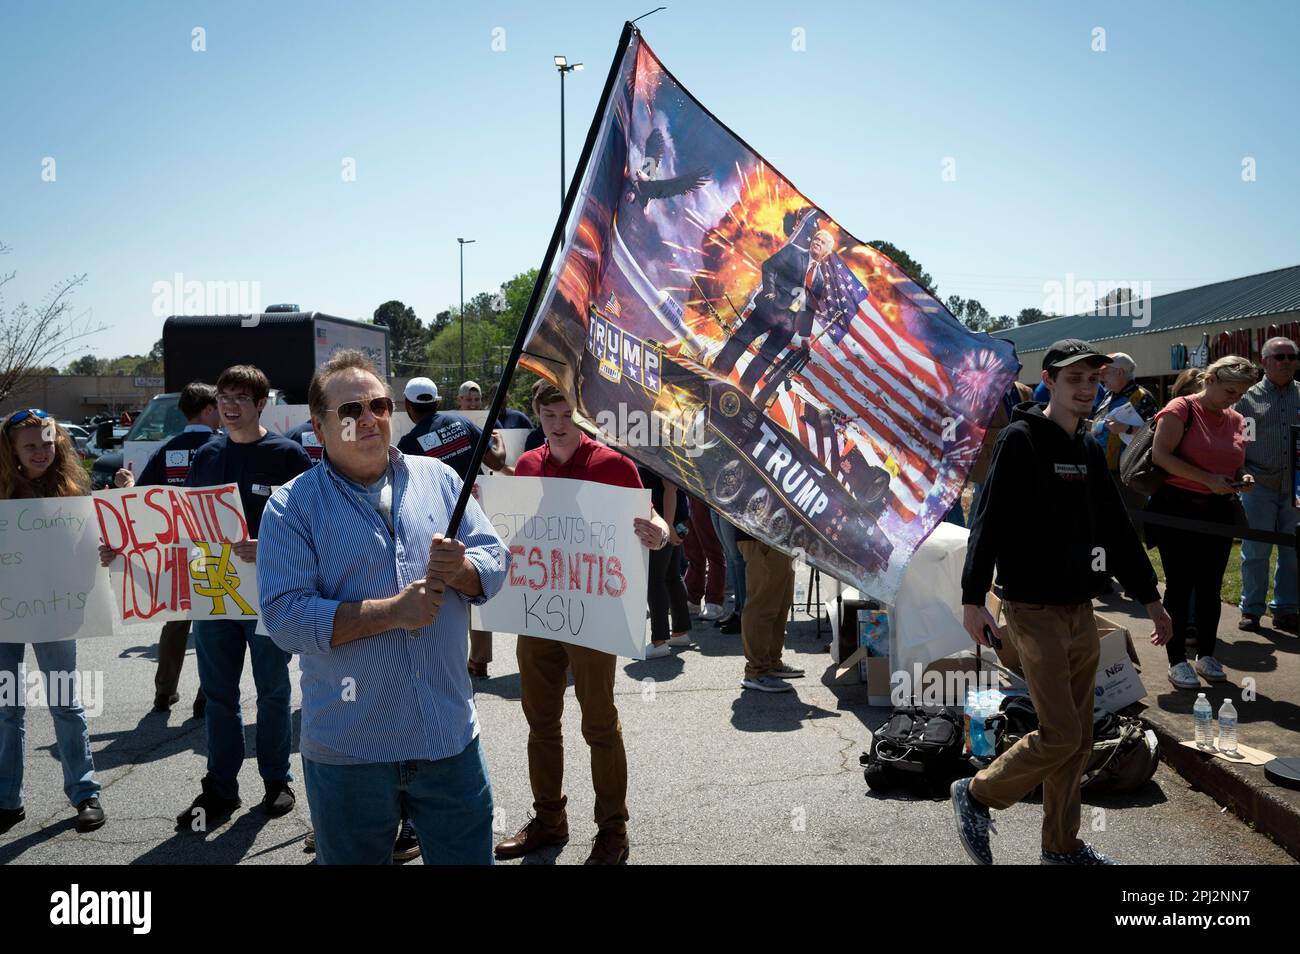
x=1203, y=713
x=1227, y=728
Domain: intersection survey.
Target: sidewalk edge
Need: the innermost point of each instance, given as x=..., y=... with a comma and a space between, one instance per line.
x=1268, y=814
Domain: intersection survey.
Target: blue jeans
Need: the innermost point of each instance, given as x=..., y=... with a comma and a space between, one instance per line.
x=70, y=730
x=355, y=809
x=219, y=645
x=1268, y=510
x=735, y=562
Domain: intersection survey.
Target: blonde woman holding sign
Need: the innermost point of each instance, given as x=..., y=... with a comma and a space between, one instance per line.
x=37, y=460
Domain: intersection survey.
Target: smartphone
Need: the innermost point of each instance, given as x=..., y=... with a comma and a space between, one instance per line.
x=992, y=637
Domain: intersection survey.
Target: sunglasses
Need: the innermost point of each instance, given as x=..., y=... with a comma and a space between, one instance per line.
x=1284, y=356
x=19, y=416
x=380, y=407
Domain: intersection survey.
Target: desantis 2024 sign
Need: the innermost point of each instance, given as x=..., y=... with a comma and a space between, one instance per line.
x=176, y=556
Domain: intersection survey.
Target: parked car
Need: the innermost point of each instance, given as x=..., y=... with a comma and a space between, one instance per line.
x=79, y=436
x=101, y=478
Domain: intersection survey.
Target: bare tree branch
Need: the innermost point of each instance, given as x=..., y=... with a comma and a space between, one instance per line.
x=32, y=339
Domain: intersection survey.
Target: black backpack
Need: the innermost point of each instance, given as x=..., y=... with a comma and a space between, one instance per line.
x=919, y=750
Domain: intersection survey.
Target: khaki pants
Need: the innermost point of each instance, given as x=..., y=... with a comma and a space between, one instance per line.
x=542, y=666
x=480, y=646
x=1058, y=648
x=769, y=593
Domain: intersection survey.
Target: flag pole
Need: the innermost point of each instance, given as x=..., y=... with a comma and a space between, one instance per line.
x=543, y=276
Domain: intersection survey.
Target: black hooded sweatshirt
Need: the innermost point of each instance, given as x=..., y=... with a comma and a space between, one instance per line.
x=1051, y=519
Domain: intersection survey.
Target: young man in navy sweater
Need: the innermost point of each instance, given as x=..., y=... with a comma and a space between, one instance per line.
x=257, y=460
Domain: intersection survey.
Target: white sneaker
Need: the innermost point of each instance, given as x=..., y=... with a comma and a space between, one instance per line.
x=1183, y=677
x=657, y=652
x=711, y=611
x=1209, y=667
x=683, y=640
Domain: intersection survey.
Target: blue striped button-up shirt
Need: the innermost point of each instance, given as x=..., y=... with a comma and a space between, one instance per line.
x=400, y=694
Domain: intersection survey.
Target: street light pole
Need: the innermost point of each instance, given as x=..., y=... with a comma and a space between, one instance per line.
x=462, y=242
x=563, y=65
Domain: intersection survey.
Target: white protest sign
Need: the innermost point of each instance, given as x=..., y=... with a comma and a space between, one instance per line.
x=176, y=559
x=51, y=584
x=577, y=571
x=513, y=438
x=284, y=417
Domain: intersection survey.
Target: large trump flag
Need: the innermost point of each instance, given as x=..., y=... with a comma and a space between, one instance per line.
x=705, y=316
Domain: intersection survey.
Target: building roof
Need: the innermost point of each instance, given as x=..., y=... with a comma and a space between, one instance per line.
x=1254, y=296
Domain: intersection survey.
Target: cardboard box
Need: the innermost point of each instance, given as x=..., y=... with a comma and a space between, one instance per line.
x=873, y=635
x=1119, y=683
x=877, y=673
x=1107, y=625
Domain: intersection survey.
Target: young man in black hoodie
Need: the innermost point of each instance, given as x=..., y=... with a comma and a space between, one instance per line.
x=1052, y=521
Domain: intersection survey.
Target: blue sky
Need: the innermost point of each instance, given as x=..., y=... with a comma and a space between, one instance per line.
x=225, y=165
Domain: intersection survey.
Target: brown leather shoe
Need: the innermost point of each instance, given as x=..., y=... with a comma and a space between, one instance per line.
x=533, y=836
x=608, y=848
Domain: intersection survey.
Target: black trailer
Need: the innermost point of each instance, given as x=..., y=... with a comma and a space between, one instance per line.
x=287, y=346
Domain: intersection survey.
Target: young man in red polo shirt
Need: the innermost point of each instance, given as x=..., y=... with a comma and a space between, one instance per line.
x=568, y=452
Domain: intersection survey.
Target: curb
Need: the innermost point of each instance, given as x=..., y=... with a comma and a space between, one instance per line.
x=1249, y=798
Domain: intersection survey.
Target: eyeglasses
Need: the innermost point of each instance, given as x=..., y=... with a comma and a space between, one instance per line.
x=380, y=407
x=1285, y=356
x=19, y=416
x=241, y=399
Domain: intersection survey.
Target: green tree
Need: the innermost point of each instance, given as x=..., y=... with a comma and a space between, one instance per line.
x=406, y=337
x=1028, y=316
x=910, y=266
x=86, y=364
x=974, y=315
x=491, y=322
x=152, y=365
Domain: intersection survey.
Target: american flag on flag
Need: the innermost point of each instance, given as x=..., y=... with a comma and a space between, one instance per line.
x=881, y=382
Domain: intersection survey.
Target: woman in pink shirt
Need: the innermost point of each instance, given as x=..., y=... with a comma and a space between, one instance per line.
x=1200, y=441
